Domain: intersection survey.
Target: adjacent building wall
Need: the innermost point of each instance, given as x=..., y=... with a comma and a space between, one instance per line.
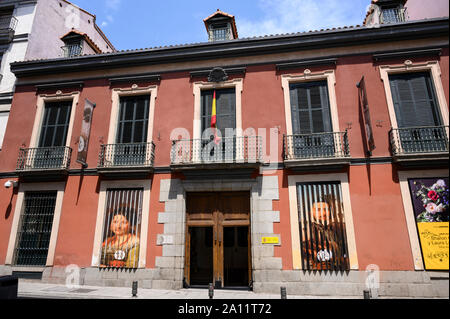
x=16, y=51
x=419, y=9
x=54, y=18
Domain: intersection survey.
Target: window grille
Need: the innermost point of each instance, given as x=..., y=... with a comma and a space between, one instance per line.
x=322, y=226
x=72, y=50
x=122, y=228
x=35, y=229
x=393, y=15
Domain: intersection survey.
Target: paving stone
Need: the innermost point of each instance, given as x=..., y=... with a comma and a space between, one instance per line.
x=267, y=263
x=165, y=262
x=171, y=206
x=146, y=284
x=262, y=228
x=163, y=284
x=173, y=250
x=421, y=290
x=262, y=251
x=263, y=205
x=268, y=276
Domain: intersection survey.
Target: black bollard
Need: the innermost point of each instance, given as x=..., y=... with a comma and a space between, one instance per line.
x=134, y=288
x=283, y=293
x=211, y=291
x=366, y=294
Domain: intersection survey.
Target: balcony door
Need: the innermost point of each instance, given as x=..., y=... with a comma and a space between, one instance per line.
x=131, y=139
x=53, y=137
x=311, y=120
x=225, y=148
x=416, y=110
x=218, y=240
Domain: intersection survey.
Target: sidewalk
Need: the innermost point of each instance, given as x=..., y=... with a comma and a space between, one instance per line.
x=35, y=289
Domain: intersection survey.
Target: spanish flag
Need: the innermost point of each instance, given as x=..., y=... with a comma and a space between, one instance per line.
x=214, y=119
x=214, y=112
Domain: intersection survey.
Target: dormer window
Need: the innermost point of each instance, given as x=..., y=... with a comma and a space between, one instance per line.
x=220, y=32
x=78, y=43
x=221, y=26
x=386, y=12
x=72, y=48
x=392, y=14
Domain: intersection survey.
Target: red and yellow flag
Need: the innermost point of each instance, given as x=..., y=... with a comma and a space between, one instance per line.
x=214, y=118
x=214, y=112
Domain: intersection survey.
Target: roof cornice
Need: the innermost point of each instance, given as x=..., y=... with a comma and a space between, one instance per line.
x=237, y=48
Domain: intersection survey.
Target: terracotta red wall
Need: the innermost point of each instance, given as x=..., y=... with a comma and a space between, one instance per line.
x=77, y=223
x=380, y=226
x=8, y=199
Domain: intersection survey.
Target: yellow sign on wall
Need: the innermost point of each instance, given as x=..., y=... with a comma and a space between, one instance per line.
x=434, y=242
x=270, y=240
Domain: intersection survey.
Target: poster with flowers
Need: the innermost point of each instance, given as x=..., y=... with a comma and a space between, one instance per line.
x=430, y=198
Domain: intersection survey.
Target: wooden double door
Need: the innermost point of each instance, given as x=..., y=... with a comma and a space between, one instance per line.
x=218, y=240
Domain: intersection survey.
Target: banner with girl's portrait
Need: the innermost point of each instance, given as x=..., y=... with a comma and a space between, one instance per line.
x=122, y=227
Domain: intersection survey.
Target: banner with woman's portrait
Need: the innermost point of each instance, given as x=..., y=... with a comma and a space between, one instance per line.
x=322, y=226
x=122, y=227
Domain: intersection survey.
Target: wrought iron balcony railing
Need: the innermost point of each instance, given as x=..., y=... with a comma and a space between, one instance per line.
x=44, y=158
x=419, y=140
x=316, y=145
x=393, y=15
x=244, y=149
x=8, y=23
x=72, y=50
x=126, y=155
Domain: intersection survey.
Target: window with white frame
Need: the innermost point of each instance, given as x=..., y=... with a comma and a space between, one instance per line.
x=417, y=107
x=3, y=121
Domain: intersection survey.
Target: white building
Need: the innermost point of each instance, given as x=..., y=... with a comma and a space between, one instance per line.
x=42, y=29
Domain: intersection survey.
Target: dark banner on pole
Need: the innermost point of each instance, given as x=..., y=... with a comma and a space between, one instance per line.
x=83, y=141
x=364, y=105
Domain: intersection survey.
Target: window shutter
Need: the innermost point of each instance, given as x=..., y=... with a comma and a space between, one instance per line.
x=133, y=120
x=294, y=110
x=225, y=108
x=414, y=100
x=55, y=124
x=310, y=108
x=327, y=127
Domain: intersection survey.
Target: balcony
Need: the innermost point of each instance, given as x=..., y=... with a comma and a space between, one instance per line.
x=7, y=28
x=419, y=145
x=49, y=161
x=316, y=151
x=227, y=153
x=126, y=159
x=72, y=50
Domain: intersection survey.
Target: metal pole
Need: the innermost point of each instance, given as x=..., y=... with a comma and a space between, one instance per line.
x=211, y=291
x=134, y=288
x=283, y=293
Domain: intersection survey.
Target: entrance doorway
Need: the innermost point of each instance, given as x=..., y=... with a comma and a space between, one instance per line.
x=218, y=240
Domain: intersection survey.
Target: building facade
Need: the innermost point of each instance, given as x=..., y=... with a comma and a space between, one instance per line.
x=32, y=30
x=311, y=161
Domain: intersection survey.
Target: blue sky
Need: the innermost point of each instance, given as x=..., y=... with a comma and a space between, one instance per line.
x=134, y=24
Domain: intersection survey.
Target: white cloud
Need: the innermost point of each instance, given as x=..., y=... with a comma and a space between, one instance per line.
x=285, y=16
x=112, y=6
